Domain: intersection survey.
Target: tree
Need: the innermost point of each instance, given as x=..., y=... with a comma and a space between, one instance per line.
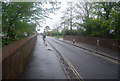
x=105, y=13
x=23, y=16
x=13, y=13
x=115, y=19
x=96, y=19
x=68, y=17
x=46, y=29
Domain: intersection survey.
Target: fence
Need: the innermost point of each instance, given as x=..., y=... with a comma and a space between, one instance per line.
x=103, y=42
x=15, y=57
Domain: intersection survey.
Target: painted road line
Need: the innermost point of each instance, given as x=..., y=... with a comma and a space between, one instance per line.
x=69, y=64
x=72, y=67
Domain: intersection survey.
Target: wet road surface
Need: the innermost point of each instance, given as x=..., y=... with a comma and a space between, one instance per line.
x=88, y=65
x=44, y=63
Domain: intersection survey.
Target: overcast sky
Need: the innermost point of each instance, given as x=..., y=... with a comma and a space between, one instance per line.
x=56, y=17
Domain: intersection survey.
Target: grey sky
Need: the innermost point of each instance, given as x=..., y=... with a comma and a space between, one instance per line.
x=56, y=17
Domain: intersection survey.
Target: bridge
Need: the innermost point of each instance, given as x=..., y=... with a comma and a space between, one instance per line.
x=33, y=58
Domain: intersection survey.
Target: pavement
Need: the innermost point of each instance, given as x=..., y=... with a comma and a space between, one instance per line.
x=100, y=50
x=87, y=64
x=44, y=63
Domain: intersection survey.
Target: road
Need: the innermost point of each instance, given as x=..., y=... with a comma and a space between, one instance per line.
x=88, y=65
x=44, y=63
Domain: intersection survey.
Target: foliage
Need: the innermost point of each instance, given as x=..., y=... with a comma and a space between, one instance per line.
x=19, y=19
x=13, y=15
x=54, y=33
x=95, y=19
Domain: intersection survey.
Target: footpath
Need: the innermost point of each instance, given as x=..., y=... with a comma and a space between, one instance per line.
x=44, y=63
x=102, y=51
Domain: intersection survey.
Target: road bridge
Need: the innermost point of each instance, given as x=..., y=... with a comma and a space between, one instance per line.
x=33, y=58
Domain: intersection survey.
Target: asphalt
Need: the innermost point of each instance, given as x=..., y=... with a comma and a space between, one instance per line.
x=103, y=51
x=88, y=65
x=44, y=63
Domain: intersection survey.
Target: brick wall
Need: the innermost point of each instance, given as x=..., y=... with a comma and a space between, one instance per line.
x=103, y=42
x=15, y=57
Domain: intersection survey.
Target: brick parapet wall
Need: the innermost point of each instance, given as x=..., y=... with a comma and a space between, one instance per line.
x=103, y=42
x=15, y=57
